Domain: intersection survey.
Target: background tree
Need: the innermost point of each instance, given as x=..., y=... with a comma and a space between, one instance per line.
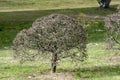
x=52, y=37
x=112, y=23
x=104, y=3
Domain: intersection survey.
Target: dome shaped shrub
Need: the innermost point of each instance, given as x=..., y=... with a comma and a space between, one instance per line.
x=54, y=37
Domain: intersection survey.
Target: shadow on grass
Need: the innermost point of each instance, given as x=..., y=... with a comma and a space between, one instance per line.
x=33, y=14
x=90, y=72
x=100, y=71
x=12, y=22
x=17, y=71
x=95, y=72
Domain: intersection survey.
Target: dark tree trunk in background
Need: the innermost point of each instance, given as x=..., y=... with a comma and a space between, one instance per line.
x=53, y=62
x=104, y=3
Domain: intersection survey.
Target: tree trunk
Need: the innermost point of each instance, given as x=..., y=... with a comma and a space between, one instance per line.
x=109, y=44
x=107, y=3
x=53, y=62
x=104, y=3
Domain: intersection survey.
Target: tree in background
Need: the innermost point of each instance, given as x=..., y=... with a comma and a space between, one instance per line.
x=112, y=24
x=104, y=3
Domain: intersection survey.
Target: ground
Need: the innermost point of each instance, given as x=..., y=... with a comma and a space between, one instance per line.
x=50, y=76
x=100, y=65
x=113, y=60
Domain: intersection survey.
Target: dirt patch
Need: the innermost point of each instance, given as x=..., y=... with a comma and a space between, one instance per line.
x=56, y=76
x=114, y=59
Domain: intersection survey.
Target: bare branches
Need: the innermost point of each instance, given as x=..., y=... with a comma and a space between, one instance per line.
x=112, y=23
x=55, y=34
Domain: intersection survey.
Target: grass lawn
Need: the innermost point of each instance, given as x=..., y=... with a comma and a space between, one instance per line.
x=46, y=4
x=101, y=65
x=16, y=15
x=12, y=22
x=13, y=5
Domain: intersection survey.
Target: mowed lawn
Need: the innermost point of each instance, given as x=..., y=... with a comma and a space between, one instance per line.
x=16, y=15
x=47, y=4
x=100, y=65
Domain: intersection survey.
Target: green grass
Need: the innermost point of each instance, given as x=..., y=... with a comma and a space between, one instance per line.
x=100, y=73
x=17, y=72
x=11, y=22
x=47, y=4
x=96, y=67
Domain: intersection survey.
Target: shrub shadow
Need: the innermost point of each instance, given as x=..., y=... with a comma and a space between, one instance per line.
x=100, y=71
